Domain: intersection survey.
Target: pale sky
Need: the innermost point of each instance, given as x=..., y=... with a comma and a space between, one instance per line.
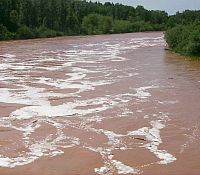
x=170, y=6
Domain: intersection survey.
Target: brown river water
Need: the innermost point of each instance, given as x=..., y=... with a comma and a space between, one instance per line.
x=108, y=105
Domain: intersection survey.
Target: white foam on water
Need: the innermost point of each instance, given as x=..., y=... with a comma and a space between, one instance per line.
x=111, y=165
x=14, y=66
x=8, y=56
x=28, y=96
x=50, y=146
x=66, y=109
x=124, y=169
x=37, y=150
x=102, y=170
x=168, y=102
x=153, y=135
x=142, y=92
x=4, y=66
x=112, y=137
x=37, y=108
x=72, y=84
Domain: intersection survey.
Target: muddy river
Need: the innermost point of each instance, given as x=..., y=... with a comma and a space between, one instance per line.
x=108, y=105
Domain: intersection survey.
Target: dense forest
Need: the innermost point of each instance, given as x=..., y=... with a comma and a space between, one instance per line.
x=45, y=18
x=23, y=19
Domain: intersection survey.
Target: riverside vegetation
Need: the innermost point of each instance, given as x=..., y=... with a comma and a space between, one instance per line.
x=24, y=19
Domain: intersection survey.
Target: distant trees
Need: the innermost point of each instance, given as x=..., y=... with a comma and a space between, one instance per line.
x=25, y=32
x=4, y=33
x=96, y=24
x=184, y=18
x=122, y=26
x=46, y=18
x=23, y=19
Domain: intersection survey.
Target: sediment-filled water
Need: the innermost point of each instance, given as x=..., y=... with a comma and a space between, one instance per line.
x=109, y=104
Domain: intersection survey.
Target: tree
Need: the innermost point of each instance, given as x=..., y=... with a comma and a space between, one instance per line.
x=72, y=22
x=14, y=20
x=25, y=32
x=90, y=24
x=4, y=33
x=122, y=26
x=105, y=24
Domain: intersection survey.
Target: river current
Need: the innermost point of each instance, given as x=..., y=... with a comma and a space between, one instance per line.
x=109, y=104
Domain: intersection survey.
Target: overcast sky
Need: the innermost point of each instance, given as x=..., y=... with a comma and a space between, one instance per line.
x=171, y=6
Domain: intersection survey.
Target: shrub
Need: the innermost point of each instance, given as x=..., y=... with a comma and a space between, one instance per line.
x=25, y=32
x=4, y=33
x=184, y=39
x=96, y=24
x=43, y=32
x=122, y=26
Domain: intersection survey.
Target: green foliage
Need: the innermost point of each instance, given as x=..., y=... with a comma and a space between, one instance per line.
x=184, y=39
x=44, y=32
x=14, y=21
x=72, y=23
x=142, y=26
x=4, y=33
x=25, y=32
x=122, y=26
x=90, y=24
x=96, y=24
x=105, y=24
x=185, y=18
x=48, y=18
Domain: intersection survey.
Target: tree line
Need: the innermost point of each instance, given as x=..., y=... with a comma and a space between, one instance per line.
x=23, y=19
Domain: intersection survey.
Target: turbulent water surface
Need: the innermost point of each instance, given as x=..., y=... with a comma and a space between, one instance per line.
x=111, y=104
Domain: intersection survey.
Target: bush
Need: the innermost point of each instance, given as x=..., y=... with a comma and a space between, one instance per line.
x=194, y=42
x=25, y=32
x=122, y=26
x=4, y=33
x=43, y=32
x=96, y=24
x=90, y=24
x=105, y=24
x=141, y=26
x=184, y=39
